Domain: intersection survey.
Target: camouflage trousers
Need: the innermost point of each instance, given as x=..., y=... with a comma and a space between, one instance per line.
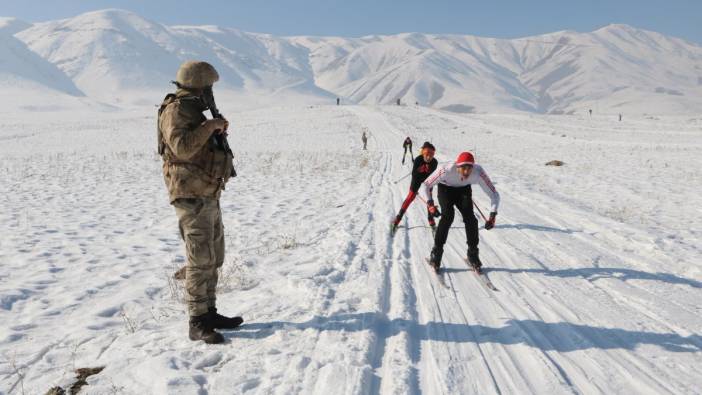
x=200, y=223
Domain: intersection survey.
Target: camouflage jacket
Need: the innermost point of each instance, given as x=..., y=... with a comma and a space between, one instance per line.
x=194, y=165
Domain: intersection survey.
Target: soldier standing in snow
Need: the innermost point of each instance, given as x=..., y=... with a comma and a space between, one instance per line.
x=423, y=166
x=454, y=189
x=407, y=146
x=364, y=138
x=196, y=166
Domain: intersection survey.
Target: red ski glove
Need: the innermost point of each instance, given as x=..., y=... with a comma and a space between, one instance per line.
x=491, y=222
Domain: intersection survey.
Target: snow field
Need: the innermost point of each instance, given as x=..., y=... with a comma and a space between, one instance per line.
x=596, y=261
x=93, y=219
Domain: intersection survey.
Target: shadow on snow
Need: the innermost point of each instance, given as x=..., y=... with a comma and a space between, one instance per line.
x=597, y=273
x=539, y=228
x=556, y=336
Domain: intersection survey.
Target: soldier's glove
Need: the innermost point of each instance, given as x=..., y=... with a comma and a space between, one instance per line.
x=433, y=210
x=217, y=125
x=491, y=222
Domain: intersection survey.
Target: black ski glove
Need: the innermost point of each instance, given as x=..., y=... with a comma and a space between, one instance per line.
x=433, y=210
x=491, y=222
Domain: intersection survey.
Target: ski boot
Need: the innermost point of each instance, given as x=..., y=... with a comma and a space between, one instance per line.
x=474, y=261
x=219, y=321
x=201, y=329
x=435, y=258
x=394, y=225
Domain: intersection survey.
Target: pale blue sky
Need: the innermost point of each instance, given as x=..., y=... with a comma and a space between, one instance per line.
x=354, y=18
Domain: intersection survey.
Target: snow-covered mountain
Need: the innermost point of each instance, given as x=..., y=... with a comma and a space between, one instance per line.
x=119, y=57
x=27, y=80
x=612, y=68
x=12, y=25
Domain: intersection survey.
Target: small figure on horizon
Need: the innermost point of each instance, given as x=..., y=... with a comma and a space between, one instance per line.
x=590, y=110
x=364, y=138
x=337, y=101
x=398, y=101
x=620, y=117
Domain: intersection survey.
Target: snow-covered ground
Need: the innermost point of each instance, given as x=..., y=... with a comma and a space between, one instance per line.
x=597, y=262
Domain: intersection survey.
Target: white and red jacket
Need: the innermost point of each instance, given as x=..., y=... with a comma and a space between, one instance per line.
x=448, y=175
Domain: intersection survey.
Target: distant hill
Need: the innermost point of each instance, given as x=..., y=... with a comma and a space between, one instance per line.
x=118, y=57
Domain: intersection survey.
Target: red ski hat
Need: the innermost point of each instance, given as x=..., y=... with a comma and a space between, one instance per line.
x=465, y=158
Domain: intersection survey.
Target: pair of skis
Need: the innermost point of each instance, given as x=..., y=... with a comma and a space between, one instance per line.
x=440, y=274
x=394, y=226
x=482, y=276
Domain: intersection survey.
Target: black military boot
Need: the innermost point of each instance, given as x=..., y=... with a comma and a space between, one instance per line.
x=435, y=258
x=474, y=260
x=222, y=322
x=201, y=329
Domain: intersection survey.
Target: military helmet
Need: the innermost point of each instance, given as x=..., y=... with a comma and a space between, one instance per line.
x=196, y=74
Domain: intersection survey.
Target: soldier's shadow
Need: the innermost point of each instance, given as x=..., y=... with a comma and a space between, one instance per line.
x=546, y=336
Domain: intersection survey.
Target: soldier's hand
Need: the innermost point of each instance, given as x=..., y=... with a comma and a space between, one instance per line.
x=218, y=125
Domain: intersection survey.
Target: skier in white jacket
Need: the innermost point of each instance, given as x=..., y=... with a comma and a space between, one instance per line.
x=454, y=189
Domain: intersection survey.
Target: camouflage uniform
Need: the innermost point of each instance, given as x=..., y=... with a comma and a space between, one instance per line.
x=195, y=169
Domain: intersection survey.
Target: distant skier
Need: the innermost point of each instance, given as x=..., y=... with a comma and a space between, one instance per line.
x=364, y=138
x=407, y=146
x=398, y=101
x=454, y=189
x=424, y=165
x=590, y=110
x=620, y=117
x=337, y=101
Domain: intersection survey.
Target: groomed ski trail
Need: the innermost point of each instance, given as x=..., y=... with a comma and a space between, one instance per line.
x=549, y=329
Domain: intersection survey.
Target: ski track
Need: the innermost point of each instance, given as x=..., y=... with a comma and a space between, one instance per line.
x=332, y=303
x=567, y=375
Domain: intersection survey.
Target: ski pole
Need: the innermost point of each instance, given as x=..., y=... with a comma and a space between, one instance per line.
x=474, y=204
x=407, y=175
x=481, y=213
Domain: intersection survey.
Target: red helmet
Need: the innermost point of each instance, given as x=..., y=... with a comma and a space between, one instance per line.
x=465, y=158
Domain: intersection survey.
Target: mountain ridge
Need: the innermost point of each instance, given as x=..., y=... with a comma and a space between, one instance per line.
x=119, y=56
